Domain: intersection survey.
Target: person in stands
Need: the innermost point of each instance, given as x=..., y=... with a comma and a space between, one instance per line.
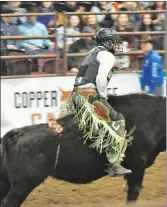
x=19, y=9
x=34, y=28
x=8, y=28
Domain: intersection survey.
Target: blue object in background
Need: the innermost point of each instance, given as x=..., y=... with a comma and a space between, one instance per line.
x=46, y=19
x=142, y=84
x=152, y=70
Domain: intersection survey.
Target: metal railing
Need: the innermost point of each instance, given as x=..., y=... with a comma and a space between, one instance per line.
x=83, y=13
x=117, y=12
x=28, y=14
x=134, y=53
x=33, y=37
x=65, y=54
x=77, y=35
x=27, y=37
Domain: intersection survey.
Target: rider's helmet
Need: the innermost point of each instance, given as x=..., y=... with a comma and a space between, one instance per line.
x=109, y=39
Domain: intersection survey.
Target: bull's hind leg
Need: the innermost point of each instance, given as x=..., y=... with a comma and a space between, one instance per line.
x=134, y=182
x=16, y=196
x=19, y=191
x=4, y=186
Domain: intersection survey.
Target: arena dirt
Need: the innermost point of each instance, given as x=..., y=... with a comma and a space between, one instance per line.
x=105, y=192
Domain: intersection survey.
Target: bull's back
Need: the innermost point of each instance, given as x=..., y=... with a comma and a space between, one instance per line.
x=12, y=136
x=137, y=107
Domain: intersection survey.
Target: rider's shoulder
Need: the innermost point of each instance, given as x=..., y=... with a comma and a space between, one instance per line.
x=99, y=49
x=105, y=56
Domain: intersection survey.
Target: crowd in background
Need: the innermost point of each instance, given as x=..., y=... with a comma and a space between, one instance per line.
x=44, y=25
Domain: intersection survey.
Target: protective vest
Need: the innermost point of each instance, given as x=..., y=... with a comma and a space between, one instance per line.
x=89, y=68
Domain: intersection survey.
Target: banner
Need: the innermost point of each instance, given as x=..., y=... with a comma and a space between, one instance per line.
x=124, y=83
x=26, y=101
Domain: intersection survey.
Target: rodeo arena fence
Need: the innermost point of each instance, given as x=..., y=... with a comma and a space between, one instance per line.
x=32, y=99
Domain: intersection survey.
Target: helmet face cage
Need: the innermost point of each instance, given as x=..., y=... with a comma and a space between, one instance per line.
x=114, y=46
x=110, y=40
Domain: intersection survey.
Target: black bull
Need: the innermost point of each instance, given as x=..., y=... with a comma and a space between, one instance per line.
x=29, y=153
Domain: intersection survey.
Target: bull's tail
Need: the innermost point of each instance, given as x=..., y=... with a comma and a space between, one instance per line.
x=10, y=138
x=4, y=179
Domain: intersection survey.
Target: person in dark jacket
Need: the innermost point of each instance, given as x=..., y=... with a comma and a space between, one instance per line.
x=159, y=20
x=19, y=9
x=80, y=46
x=104, y=126
x=152, y=68
x=8, y=28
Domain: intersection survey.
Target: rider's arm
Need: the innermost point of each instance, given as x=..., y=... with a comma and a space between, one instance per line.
x=107, y=61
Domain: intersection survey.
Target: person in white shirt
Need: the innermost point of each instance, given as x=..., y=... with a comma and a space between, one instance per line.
x=91, y=86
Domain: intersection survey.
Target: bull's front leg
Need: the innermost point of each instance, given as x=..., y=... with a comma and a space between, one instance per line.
x=134, y=182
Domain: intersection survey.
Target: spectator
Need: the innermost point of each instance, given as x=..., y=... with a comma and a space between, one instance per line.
x=158, y=18
x=46, y=7
x=158, y=22
x=4, y=67
x=105, y=21
x=91, y=21
x=68, y=6
x=144, y=4
x=12, y=47
x=8, y=28
x=152, y=68
x=73, y=28
x=123, y=25
x=82, y=45
x=83, y=7
x=146, y=23
x=131, y=6
x=16, y=5
x=30, y=28
x=71, y=6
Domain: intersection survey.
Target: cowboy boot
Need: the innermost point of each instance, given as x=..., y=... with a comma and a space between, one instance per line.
x=117, y=171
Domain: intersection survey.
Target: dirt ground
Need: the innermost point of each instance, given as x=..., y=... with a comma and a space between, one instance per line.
x=105, y=192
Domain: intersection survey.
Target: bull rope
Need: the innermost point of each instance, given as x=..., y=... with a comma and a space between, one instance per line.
x=52, y=123
x=57, y=157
